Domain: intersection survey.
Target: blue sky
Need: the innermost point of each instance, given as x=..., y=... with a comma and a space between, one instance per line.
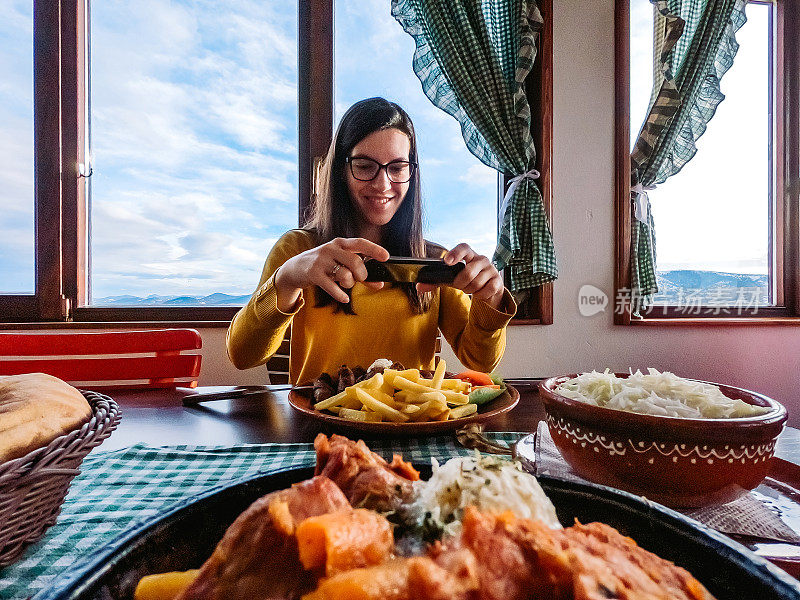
x=194, y=143
x=16, y=148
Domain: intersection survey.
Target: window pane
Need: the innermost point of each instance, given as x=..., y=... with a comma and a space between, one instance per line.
x=17, y=264
x=641, y=63
x=712, y=218
x=373, y=58
x=194, y=144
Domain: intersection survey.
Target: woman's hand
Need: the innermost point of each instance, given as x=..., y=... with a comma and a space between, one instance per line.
x=333, y=266
x=479, y=277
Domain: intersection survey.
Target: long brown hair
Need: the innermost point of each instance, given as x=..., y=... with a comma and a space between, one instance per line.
x=333, y=213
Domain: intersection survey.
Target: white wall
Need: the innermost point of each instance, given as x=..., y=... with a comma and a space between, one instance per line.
x=762, y=358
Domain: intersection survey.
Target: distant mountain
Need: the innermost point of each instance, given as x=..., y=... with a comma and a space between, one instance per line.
x=679, y=287
x=711, y=288
x=215, y=299
x=708, y=279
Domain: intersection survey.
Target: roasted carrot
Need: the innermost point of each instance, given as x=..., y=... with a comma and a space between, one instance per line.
x=340, y=541
x=475, y=377
x=164, y=586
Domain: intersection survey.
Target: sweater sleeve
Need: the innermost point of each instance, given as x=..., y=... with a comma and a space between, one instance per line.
x=475, y=330
x=258, y=329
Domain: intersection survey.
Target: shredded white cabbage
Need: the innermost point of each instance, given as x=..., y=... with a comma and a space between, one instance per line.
x=656, y=393
x=488, y=483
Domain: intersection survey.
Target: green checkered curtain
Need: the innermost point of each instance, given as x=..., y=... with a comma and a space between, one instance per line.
x=472, y=57
x=695, y=44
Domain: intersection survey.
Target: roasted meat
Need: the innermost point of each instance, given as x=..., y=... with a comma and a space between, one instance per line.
x=258, y=558
x=344, y=378
x=525, y=559
x=359, y=373
x=324, y=387
x=366, y=479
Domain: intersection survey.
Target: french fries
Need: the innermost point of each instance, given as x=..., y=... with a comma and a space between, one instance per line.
x=403, y=397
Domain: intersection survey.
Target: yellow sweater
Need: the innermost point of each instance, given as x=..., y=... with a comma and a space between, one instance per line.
x=384, y=325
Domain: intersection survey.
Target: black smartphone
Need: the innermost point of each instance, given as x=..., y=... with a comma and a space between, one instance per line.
x=412, y=270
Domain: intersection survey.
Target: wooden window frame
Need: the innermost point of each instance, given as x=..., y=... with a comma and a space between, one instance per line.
x=537, y=307
x=61, y=243
x=784, y=221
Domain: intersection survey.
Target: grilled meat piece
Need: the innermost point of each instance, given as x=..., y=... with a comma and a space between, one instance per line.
x=324, y=387
x=345, y=378
x=359, y=373
x=366, y=479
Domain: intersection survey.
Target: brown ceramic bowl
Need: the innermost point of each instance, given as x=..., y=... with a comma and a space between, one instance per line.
x=675, y=461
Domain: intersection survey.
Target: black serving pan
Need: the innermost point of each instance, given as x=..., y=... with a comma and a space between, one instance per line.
x=186, y=534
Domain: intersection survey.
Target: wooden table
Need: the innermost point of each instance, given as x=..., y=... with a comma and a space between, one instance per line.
x=158, y=417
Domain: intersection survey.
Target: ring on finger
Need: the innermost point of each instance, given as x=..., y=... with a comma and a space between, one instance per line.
x=335, y=270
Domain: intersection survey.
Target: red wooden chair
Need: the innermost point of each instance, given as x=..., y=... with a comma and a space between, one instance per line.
x=118, y=359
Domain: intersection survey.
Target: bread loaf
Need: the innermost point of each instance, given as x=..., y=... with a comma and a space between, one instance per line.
x=35, y=409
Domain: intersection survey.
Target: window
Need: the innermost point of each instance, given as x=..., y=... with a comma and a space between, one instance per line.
x=162, y=183
x=17, y=265
x=726, y=224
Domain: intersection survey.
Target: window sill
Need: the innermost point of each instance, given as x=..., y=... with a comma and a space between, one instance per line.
x=513, y=322
x=28, y=325
x=716, y=322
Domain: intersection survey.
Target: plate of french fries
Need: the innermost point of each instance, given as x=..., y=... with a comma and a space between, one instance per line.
x=407, y=401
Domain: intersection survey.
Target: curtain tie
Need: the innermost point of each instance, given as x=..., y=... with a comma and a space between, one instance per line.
x=641, y=204
x=513, y=184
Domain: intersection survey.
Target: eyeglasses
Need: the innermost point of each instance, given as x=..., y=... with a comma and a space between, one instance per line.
x=366, y=169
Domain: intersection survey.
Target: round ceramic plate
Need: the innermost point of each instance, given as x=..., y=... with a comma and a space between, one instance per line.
x=301, y=400
x=185, y=535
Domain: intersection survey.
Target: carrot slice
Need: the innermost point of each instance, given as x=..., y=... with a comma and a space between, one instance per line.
x=337, y=542
x=475, y=377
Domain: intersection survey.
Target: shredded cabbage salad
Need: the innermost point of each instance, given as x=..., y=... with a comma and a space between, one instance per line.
x=486, y=482
x=656, y=393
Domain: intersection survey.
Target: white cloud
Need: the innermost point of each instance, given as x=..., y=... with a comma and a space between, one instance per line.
x=182, y=254
x=16, y=158
x=481, y=237
x=479, y=175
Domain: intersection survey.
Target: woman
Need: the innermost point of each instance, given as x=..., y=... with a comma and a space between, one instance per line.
x=368, y=206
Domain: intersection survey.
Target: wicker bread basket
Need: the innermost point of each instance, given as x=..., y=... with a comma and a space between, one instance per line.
x=33, y=487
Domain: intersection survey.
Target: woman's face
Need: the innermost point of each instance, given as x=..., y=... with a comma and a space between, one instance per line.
x=378, y=200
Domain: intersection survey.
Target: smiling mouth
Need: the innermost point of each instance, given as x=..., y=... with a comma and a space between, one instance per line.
x=378, y=200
